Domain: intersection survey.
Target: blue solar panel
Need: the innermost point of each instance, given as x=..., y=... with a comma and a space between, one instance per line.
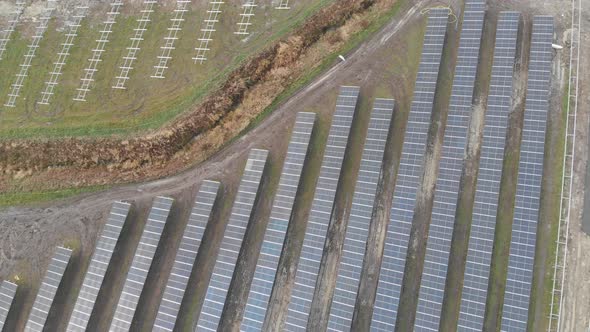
x=232, y=241
x=321, y=209
x=357, y=230
x=483, y=222
x=48, y=289
x=409, y=173
x=185, y=257
x=530, y=173
x=280, y=216
x=140, y=266
x=7, y=292
x=432, y=287
x=98, y=267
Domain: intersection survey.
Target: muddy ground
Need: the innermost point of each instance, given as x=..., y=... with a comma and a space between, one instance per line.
x=577, y=286
x=28, y=235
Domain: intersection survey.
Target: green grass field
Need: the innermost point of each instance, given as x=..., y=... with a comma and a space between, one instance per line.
x=148, y=102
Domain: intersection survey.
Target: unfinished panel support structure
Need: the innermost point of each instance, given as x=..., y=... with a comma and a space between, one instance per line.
x=129, y=59
x=31, y=51
x=12, y=22
x=96, y=57
x=207, y=30
x=409, y=174
x=246, y=17
x=283, y=4
x=63, y=55
x=169, y=41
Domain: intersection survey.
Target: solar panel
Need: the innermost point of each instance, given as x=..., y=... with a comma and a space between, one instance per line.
x=357, y=230
x=140, y=266
x=185, y=258
x=409, y=173
x=432, y=286
x=7, y=292
x=485, y=206
x=530, y=173
x=321, y=209
x=232, y=241
x=280, y=215
x=98, y=267
x=48, y=289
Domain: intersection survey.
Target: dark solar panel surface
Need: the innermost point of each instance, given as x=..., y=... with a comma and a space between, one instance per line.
x=44, y=298
x=185, y=257
x=432, y=287
x=140, y=266
x=232, y=241
x=321, y=209
x=530, y=172
x=409, y=173
x=280, y=215
x=7, y=291
x=483, y=223
x=357, y=231
x=98, y=267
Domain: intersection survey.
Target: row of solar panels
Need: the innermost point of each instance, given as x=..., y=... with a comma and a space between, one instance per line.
x=408, y=180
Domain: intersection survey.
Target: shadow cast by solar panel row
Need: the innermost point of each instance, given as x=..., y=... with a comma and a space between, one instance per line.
x=361, y=210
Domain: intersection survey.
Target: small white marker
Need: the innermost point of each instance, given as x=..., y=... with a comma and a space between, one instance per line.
x=557, y=47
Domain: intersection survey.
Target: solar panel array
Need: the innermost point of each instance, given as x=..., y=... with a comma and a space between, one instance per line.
x=280, y=215
x=357, y=231
x=12, y=22
x=432, y=286
x=530, y=173
x=321, y=209
x=485, y=206
x=232, y=241
x=98, y=267
x=7, y=292
x=48, y=289
x=185, y=258
x=409, y=173
x=140, y=266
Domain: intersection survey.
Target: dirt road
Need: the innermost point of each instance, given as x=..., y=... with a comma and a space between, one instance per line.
x=576, y=305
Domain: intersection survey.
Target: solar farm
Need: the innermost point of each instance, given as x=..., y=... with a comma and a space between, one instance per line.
x=418, y=193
